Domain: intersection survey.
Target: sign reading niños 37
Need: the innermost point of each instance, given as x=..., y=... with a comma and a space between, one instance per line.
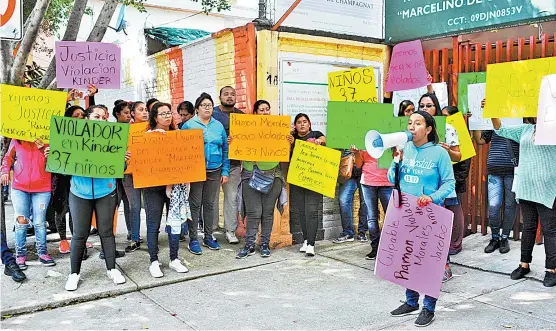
x=421, y=19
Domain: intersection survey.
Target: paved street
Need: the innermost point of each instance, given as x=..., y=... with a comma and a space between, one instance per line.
x=334, y=290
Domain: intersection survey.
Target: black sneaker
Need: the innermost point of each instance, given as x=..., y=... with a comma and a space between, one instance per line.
x=132, y=247
x=404, y=310
x=520, y=272
x=425, y=318
x=343, y=238
x=245, y=252
x=504, y=246
x=549, y=279
x=93, y=232
x=265, y=250
x=493, y=245
x=118, y=254
x=371, y=255
x=13, y=270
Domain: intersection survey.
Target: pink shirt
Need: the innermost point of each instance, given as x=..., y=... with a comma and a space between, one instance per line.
x=372, y=175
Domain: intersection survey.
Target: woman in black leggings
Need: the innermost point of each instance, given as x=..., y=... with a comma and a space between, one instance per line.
x=88, y=195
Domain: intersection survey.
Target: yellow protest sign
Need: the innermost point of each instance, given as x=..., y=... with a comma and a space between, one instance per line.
x=465, y=143
x=314, y=167
x=26, y=112
x=512, y=88
x=356, y=85
x=135, y=130
x=259, y=138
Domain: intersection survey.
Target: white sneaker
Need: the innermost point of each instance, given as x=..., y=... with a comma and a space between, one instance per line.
x=231, y=237
x=116, y=276
x=176, y=265
x=155, y=270
x=303, y=248
x=71, y=284
x=310, y=250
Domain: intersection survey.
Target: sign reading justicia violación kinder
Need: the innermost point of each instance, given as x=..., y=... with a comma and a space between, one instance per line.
x=414, y=244
x=25, y=112
x=80, y=64
x=421, y=19
x=87, y=148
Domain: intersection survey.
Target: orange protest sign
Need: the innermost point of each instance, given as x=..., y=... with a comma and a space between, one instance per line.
x=135, y=129
x=173, y=157
x=259, y=138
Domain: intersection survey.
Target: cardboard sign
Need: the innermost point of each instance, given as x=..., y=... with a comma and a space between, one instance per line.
x=513, y=88
x=80, y=64
x=314, y=167
x=475, y=95
x=174, y=157
x=356, y=85
x=259, y=137
x=26, y=112
x=87, y=148
x=414, y=245
x=407, y=67
x=349, y=122
x=413, y=95
x=466, y=146
x=546, y=117
x=135, y=130
x=464, y=80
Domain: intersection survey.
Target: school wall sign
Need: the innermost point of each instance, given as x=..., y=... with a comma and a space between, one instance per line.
x=427, y=19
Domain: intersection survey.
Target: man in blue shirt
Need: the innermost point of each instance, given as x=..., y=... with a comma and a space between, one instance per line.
x=222, y=114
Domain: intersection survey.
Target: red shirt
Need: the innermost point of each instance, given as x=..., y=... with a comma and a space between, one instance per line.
x=372, y=175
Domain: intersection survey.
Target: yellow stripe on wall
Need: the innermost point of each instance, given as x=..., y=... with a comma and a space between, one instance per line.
x=163, y=78
x=225, y=55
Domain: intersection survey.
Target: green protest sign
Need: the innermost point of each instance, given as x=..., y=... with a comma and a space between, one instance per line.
x=347, y=123
x=87, y=148
x=397, y=124
x=464, y=79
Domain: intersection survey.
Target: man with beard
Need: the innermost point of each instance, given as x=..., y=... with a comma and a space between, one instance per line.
x=222, y=114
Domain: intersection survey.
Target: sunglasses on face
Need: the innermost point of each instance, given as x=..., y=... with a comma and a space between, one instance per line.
x=421, y=106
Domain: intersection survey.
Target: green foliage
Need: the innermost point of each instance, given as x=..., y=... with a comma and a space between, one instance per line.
x=210, y=5
x=137, y=4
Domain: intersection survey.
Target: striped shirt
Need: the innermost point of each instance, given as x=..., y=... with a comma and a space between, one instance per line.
x=536, y=178
x=503, y=155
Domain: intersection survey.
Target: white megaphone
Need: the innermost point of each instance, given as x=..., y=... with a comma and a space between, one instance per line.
x=376, y=143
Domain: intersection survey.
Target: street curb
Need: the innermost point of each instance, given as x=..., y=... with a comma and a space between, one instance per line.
x=114, y=293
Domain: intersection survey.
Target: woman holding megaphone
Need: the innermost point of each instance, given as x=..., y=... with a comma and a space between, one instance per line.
x=434, y=184
x=536, y=195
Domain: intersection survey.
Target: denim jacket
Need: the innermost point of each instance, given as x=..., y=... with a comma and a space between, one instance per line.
x=216, y=143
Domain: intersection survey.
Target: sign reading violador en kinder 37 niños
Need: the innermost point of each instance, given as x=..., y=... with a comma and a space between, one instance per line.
x=26, y=112
x=355, y=85
x=174, y=157
x=512, y=88
x=80, y=64
x=414, y=245
x=87, y=148
x=259, y=137
x=407, y=67
x=314, y=167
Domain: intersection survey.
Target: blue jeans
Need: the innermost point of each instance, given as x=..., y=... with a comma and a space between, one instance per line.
x=372, y=194
x=500, y=189
x=412, y=299
x=134, y=198
x=7, y=255
x=24, y=204
x=155, y=197
x=346, y=193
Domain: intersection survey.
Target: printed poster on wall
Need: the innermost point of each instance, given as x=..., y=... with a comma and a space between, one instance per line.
x=546, y=118
x=414, y=245
x=358, y=18
x=304, y=89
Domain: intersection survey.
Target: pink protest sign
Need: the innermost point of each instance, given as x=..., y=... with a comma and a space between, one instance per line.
x=414, y=245
x=80, y=64
x=407, y=67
